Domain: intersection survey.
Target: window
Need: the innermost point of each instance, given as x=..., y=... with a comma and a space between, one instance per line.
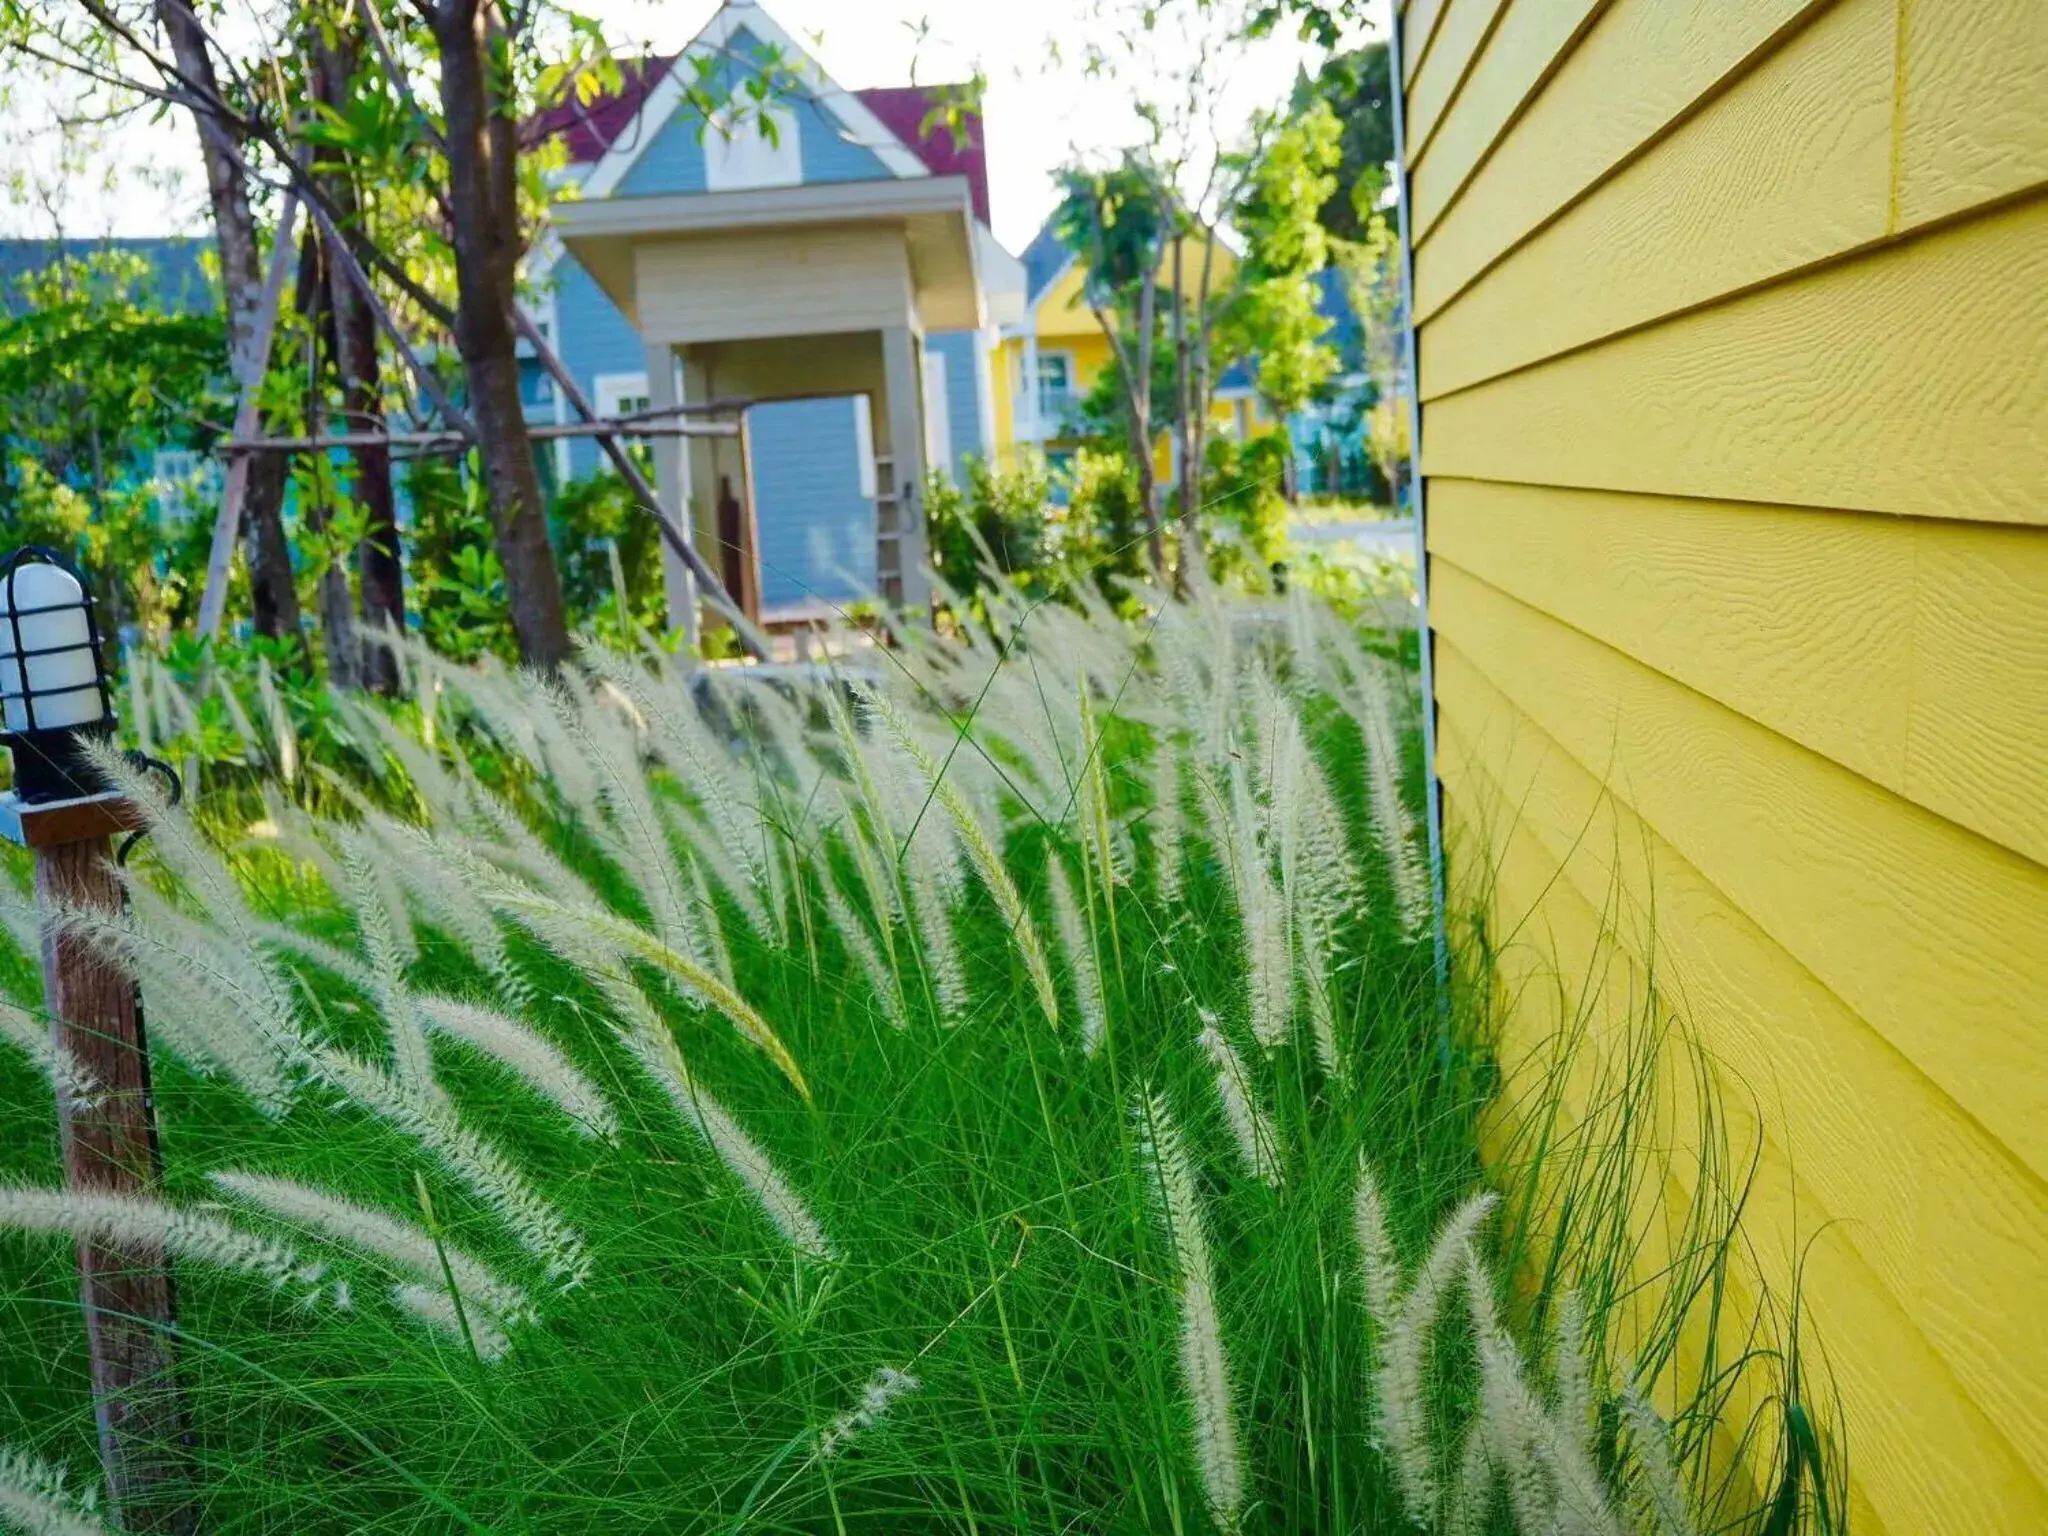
x=1055, y=384
x=620, y=394
x=752, y=147
x=184, y=481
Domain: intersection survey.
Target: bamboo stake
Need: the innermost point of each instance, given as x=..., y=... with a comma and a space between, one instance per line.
x=227, y=523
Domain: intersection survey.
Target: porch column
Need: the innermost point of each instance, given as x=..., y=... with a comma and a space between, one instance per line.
x=902, y=378
x=672, y=484
x=1033, y=429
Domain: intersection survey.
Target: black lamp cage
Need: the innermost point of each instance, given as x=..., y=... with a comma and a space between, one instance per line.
x=47, y=763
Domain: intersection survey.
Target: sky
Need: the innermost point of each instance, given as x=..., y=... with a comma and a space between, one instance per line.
x=145, y=179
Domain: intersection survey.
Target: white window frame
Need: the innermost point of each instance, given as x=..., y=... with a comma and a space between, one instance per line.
x=738, y=156
x=1068, y=392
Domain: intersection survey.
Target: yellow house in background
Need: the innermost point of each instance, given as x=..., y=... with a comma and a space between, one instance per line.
x=1732, y=330
x=1060, y=345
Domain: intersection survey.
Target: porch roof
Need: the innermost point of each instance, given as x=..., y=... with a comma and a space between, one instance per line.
x=934, y=214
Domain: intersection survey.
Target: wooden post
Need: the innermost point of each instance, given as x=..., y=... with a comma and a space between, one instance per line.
x=110, y=1147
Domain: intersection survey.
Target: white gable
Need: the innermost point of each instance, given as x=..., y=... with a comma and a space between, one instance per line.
x=847, y=111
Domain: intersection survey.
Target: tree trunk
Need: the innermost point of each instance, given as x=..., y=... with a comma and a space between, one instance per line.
x=1184, y=421
x=337, y=607
x=274, y=594
x=482, y=165
x=380, y=568
x=1139, y=388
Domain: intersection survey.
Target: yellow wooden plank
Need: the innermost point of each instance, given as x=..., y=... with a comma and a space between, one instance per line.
x=1910, y=650
x=1418, y=31
x=1914, y=381
x=1640, y=67
x=1790, y=166
x=1937, y=937
x=1927, y=1456
x=1523, y=50
x=1460, y=35
x=1936, y=1208
x=1974, y=110
x=1977, y=743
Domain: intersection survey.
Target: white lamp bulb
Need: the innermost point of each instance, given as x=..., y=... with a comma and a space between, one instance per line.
x=64, y=679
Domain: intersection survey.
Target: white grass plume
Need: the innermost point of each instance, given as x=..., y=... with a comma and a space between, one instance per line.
x=1391, y=819
x=69, y=1077
x=1079, y=944
x=1657, y=1480
x=876, y=1399
x=1168, y=821
x=1571, y=1374
x=529, y=1056
x=574, y=931
x=881, y=977
x=35, y=1500
x=653, y=1044
x=1205, y=1372
x=470, y=1160
x=333, y=1219
x=1250, y=1126
x=1262, y=916
x=1401, y=1350
x=940, y=947
x=980, y=849
x=1471, y=1496
x=138, y=1222
x=436, y=1308
x=412, y=1063
x=213, y=999
x=1553, y=1481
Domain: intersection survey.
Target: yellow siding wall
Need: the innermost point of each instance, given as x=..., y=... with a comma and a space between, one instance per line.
x=1733, y=348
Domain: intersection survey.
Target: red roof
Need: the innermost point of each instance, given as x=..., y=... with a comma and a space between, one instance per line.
x=590, y=128
x=903, y=110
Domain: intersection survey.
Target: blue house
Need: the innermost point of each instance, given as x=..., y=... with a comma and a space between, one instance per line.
x=832, y=267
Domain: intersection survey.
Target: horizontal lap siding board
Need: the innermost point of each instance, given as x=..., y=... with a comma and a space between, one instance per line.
x=1895, y=646
x=1911, y=380
x=1878, y=1270
x=1974, y=107
x=1459, y=37
x=1642, y=66
x=1937, y=937
x=1531, y=34
x=1788, y=168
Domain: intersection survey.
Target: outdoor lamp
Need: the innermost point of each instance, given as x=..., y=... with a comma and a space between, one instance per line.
x=53, y=682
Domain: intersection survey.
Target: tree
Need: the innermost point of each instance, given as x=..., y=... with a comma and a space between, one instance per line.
x=1117, y=222
x=1277, y=318
x=94, y=379
x=1359, y=91
x=222, y=141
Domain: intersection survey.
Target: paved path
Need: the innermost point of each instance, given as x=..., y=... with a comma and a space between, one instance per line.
x=1386, y=538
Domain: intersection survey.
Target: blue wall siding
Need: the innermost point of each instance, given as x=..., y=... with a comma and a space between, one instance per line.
x=596, y=338
x=817, y=532
x=829, y=154
x=963, y=394
x=674, y=161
